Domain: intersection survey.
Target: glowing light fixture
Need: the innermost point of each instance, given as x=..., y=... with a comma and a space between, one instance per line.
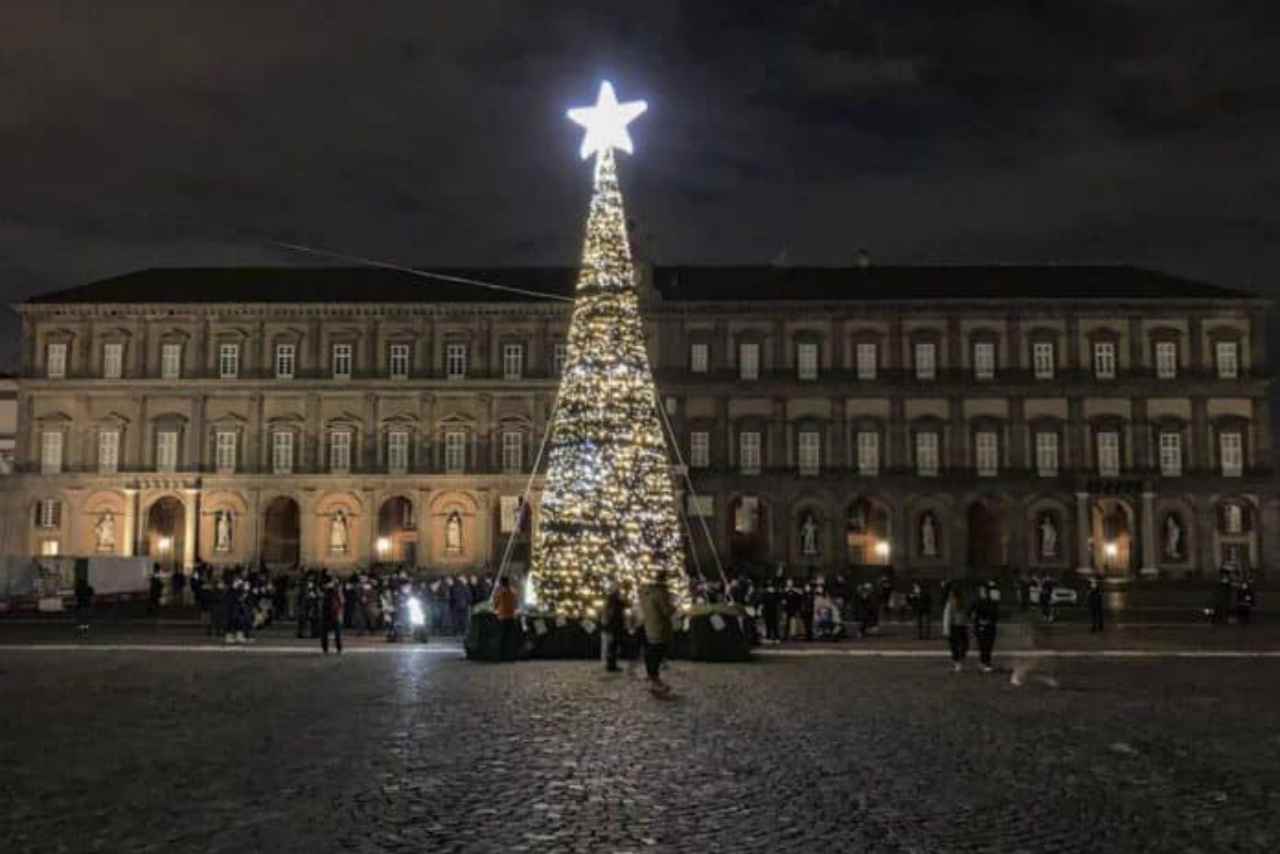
x=384, y=546
x=882, y=548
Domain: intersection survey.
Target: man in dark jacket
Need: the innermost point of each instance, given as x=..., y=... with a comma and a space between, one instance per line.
x=1095, y=605
x=156, y=591
x=614, y=626
x=331, y=612
x=792, y=604
x=771, y=607
x=460, y=604
x=84, y=605
x=984, y=618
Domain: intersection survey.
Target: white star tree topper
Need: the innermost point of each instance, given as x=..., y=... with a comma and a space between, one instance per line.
x=606, y=122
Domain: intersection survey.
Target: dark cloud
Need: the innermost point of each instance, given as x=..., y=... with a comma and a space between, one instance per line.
x=194, y=132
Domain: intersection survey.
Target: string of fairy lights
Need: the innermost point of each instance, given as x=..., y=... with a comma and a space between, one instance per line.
x=608, y=512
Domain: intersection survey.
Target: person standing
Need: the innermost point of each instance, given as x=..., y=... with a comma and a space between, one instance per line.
x=614, y=626
x=955, y=626
x=657, y=610
x=179, y=582
x=1222, y=601
x=504, y=607
x=1095, y=605
x=332, y=613
x=792, y=601
x=921, y=602
x=985, y=618
x=155, y=591
x=1046, y=599
x=771, y=605
x=1245, y=600
x=84, y=605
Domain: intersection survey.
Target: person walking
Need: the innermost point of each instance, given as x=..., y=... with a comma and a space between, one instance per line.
x=985, y=617
x=771, y=606
x=504, y=607
x=1095, y=605
x=84, y=605
x=332, y=613
x=614, y=626
x=955, y=626
x=657, y=610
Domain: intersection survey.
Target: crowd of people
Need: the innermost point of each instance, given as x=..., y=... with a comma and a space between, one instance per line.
x=235, y=602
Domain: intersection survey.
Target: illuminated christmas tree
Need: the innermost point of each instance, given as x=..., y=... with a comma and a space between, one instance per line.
x=608, y=511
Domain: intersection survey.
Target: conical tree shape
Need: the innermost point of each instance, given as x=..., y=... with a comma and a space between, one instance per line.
x=608, y=510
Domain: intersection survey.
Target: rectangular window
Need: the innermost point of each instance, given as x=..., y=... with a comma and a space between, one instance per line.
x=340, y=451
x=559, y=357
x=49, y=548
x=108, y=451
x=1171, y=454
x=228, y=361
x=1104, y=360
x=926, y=361
x=986, y=453
x=112, y=361
x=509, y=513
x=1166, y=359
x=808, y=451
x=512, y=451
x=455, y=451
x=1227, y=358
x=699, y=449
x=702, y=505
x=868, y=453
x=286, y=361
x=399, y=361
x=342, y=361
x=1231, y=452
x=927, y=454
x=699, y=358
x=984, y=360
x=56, y=361
x=1109, y=453
x=512, y=361
x=282, y=452
x=749, y=361
x=51, y=452
x=807, y=361
x=170, y=361
x=1047, y=454
x=749, y=453
x=1042, y=359
x=866, y=356
x=49, y=513
x=225, y=451
x=167, y=450
x=398, y=451
x=455, y=361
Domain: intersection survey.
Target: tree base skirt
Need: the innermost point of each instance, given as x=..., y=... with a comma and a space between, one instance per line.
x=715, y=633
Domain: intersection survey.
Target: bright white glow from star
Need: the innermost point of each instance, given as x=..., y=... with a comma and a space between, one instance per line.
x=606, y=122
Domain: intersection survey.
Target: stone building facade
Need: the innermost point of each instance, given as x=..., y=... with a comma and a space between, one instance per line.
x=1047, y=418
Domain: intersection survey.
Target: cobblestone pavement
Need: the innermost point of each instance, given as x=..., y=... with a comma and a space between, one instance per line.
x=418, y=752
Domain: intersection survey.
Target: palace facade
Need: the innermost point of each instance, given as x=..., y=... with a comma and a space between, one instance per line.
x=930, y=418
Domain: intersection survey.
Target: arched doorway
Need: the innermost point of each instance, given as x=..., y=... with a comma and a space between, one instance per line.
x=397, y=532
x=988, y=538
x=166, y=527
x=281, y=533
x=868, y=540
x=1113, y=549
x=748, y=529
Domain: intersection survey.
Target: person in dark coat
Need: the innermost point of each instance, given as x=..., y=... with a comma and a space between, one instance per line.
x=1046, y=598
x=460, y=604
x=155, y=592
x=1222, y=598
x=792, y=604
x=84, y=605
x=886, y=594
x=771, y=606
x=985, y=618
x=615, y=625
x=806, y=610
x=922, y=607
x=179, y=582
x=1095, y=605
x=331, y=613
x=1245, y=601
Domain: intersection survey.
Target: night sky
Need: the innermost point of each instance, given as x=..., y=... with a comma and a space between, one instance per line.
x=195, y=133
